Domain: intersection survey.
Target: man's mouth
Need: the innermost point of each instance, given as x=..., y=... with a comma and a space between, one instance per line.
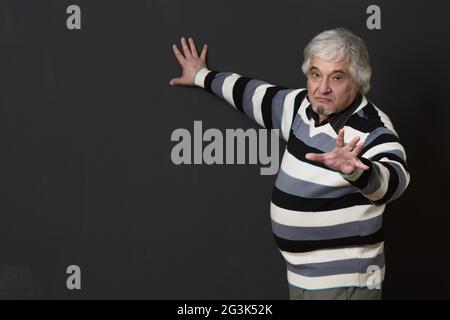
x=323, y=99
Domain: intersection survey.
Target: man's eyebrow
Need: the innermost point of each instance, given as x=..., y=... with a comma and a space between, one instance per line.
x=332, y=72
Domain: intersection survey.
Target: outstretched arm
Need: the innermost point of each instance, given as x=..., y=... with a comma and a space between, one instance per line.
x=271, y=106
x=343, y=158
x=377, y=169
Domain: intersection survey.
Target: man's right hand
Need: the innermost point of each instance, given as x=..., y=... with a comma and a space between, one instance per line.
x=190, y=62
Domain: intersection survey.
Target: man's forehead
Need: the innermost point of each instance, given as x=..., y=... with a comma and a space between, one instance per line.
x=339, y=65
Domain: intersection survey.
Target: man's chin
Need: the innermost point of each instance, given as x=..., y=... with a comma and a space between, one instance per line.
x=323, y=110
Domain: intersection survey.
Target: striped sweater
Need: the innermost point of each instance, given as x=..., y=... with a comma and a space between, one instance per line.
x=328, y=227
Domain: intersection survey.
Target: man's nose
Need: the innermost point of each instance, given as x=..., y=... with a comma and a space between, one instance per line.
x=324, y=86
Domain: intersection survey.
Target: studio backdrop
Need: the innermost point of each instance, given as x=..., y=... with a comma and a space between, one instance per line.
x=88, y=182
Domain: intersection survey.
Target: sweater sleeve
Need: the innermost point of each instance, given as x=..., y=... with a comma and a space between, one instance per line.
x=270, y=106
x=388, y=174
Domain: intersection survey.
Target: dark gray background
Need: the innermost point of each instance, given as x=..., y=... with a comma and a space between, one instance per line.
x=85, y=122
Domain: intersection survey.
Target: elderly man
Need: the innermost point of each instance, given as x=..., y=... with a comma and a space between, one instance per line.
x=343, y=163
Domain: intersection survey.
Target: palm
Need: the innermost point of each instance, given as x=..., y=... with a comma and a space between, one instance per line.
x=343, y=158
x=190, y=62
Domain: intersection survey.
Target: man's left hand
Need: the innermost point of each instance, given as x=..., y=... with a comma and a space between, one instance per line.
x=343, y=158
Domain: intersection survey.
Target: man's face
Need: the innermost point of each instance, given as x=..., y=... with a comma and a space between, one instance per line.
x=331, y=87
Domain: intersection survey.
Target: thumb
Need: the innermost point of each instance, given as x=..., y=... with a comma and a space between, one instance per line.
x=174, y=81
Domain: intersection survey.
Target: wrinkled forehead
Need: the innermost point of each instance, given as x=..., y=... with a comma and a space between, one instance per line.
x=339, y=63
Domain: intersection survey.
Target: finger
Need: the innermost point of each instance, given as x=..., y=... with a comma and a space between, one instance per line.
x=352, y=144
x=340, y=139
x=361, y=165
x=178, y=54
x=315, y=157
x=204, y=51
x=358, y=149
x=176, y=81
x=186, y=51
x=193, y=48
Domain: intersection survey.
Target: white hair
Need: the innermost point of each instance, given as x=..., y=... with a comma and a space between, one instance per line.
x=332, y=45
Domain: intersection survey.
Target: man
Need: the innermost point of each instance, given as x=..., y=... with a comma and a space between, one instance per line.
x=343, y=163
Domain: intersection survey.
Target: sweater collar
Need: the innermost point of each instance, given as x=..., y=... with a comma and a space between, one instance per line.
x=336, y=120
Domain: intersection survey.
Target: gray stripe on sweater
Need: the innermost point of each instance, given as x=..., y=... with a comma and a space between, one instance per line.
x=247, y=103
x=356, y=228
x=337, y=267
x=277, y=107
x=307, y=189
x=301, y=131
x=217, y=83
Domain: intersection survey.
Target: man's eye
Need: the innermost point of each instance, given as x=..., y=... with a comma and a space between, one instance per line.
x=338, y=78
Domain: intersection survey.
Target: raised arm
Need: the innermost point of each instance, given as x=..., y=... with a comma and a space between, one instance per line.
x=271, y=106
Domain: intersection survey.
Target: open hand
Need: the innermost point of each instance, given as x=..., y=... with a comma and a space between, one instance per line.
x=190, y=62
x=343, y=158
